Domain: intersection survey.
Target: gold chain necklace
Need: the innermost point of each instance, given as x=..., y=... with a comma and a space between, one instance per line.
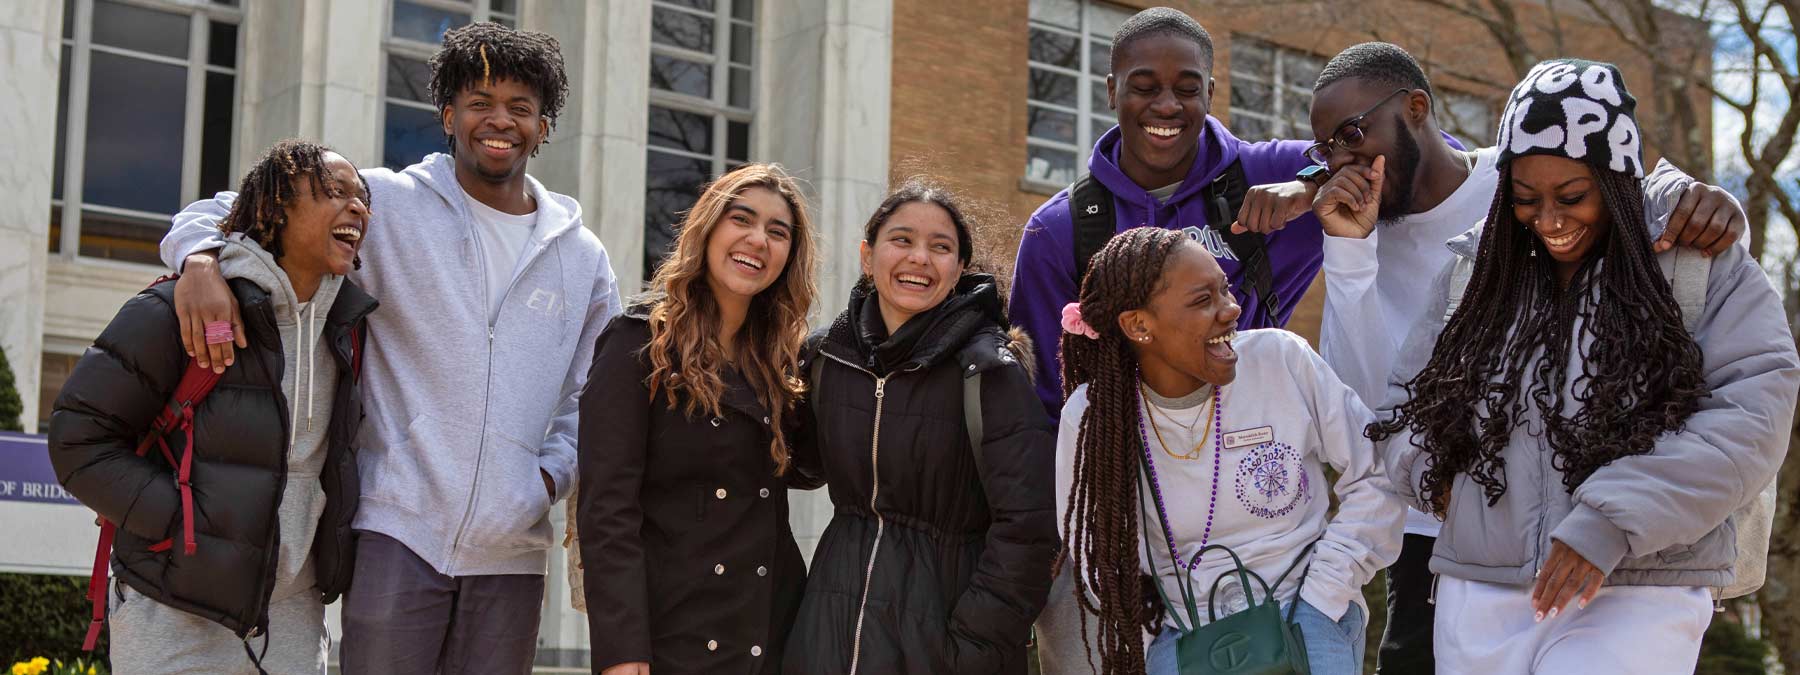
x=1199, y=446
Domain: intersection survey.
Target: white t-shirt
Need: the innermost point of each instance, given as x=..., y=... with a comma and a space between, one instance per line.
x=503, y=237
x=1282, y=420
x=1376, y=288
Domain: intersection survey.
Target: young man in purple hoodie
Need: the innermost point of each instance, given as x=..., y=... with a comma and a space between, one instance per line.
x=1167, y=164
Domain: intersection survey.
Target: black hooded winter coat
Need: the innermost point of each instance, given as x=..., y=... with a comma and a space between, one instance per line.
x=937, y=560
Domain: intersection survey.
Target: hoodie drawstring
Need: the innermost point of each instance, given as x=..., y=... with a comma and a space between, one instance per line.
x=303, y=330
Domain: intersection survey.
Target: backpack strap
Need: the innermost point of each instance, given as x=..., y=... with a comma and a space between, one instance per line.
x=196, y=383
x=972, y=421
x=1091, y=209
x=1224, y=196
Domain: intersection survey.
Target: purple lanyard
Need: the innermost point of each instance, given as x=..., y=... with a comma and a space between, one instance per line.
x=1156, y=486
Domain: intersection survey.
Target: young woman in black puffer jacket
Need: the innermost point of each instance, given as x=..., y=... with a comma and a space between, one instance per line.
x=938, y=557
x=273, y=479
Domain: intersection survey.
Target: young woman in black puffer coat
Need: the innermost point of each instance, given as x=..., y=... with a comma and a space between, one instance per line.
x=938, y=557
x=230, y=571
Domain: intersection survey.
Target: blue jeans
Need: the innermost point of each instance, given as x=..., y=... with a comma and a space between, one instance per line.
x=1332, y=647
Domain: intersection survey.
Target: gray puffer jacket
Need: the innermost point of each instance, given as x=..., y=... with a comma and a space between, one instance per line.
x=1658, y=519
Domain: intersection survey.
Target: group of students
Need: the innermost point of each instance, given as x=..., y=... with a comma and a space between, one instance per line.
x=1573, y=427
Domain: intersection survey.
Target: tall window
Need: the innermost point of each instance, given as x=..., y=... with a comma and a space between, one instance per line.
x=702, y=56
x=1271, y=90
x=412, y=128
x=1066, y=110
x=146, y=108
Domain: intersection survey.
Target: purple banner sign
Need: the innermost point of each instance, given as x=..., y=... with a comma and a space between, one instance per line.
x=25, y=473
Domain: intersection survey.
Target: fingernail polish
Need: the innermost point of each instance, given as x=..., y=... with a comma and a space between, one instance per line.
x=1581, y=604
x=1540, y=617
x=1552, y=613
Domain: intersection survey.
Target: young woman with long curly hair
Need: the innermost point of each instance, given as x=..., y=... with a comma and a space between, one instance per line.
x=1221, y=437
x=1584, y=448
x=688, y=562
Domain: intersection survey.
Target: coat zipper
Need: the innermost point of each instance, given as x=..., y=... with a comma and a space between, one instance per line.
x=874, y=492
x=487, y=392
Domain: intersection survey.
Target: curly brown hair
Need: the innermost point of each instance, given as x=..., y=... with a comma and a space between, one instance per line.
x=1102, y=515
x=684, y=350
x=1516, y=318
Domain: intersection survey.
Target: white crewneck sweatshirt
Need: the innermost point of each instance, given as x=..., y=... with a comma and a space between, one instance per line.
x=1282, y=420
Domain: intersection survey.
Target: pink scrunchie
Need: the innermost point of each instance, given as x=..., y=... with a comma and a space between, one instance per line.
x=1073, y=323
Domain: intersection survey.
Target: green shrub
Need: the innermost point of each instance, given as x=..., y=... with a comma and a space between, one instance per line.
x=46, y=616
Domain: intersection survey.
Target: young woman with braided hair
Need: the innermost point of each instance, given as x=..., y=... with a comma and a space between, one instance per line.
x=1565, y=423
x=1222, y=438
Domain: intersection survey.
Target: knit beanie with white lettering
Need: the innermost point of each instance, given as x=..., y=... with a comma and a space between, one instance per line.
x=1575, y=109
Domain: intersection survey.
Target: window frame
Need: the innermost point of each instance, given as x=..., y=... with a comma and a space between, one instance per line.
x=1086, y=36
x=81, y=46
x=717, y=106
x=1277, y=117
x=391, y=45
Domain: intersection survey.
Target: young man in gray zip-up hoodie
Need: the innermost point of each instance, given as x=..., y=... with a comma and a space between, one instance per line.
x=496, y=293
x=1627, y=543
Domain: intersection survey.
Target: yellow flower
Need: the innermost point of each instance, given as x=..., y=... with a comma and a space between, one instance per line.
x=36, y=666
x=19, y=668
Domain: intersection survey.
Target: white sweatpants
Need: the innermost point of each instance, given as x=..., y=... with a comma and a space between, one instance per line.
x=1641, y=630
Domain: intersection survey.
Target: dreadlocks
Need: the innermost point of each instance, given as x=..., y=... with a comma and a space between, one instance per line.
x=1102, y=516
x=260, y=212
x=480, y=52
x=1516, y=317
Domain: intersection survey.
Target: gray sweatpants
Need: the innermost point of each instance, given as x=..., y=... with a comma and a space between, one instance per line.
x=1058, y=630
x=150, y=637
x=401, y=617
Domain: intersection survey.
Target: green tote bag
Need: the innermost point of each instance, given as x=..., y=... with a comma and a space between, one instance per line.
x=1255, y=641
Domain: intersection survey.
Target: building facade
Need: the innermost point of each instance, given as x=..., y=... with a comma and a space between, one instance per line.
x=124, y=110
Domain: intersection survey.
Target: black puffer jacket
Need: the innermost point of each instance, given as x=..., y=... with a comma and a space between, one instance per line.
x=241, y=431
x=929, y=565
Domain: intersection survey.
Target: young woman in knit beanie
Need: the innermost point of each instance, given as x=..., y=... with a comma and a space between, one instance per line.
x=1585, y=447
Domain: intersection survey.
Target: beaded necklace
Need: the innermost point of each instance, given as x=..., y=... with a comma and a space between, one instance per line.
x=1156, y=485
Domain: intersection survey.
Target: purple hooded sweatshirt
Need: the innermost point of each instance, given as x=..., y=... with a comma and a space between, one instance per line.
x=1043, y=274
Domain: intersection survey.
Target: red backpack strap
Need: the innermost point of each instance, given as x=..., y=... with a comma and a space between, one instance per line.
x=196, y=383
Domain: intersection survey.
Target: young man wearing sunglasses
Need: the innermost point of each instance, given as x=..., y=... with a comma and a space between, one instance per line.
x=1391, y=166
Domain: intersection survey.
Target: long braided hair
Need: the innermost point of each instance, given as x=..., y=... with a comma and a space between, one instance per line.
x=1639, y=376
x=271, y=185
x=1102, y=516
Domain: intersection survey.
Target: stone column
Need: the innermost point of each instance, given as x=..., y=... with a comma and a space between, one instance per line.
x=312, y=69
x=825, y=69
x=30, y=45
x=597, y=151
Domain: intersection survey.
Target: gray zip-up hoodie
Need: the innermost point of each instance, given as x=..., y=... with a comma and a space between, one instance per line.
x=1658, y=519
x=463, y=411
x=309, y=388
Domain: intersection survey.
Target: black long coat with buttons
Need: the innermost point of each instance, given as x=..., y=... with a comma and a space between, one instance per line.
x=935, y=563
x=688, y=560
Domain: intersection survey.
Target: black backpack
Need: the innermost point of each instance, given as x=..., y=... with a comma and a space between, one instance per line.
x=1091, y=207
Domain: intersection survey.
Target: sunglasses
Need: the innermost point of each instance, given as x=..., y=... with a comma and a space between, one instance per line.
x=1349, y=133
